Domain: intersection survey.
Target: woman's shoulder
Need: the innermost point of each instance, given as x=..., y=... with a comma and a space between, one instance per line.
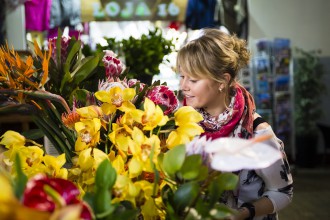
x=259, y=123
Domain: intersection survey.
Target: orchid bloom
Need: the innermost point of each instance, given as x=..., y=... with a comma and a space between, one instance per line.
x=88, y=133
x=84, y=168
x=12, y=138
x=141, y=148
x=125, y=189
x=54, y=166
x=90, y=112
x=116, y=98
x=32, y=158
x=151, y=117
x=186, y=119
x=120, y=136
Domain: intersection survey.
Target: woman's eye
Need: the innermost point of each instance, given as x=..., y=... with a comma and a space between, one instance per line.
x=193, y=80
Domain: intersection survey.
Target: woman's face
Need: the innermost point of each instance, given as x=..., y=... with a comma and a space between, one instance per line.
x=202, y=93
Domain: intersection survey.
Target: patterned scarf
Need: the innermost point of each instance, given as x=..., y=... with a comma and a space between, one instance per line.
x=236, y=121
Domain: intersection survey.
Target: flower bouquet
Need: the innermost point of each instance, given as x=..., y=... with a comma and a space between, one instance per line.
x=127, y=150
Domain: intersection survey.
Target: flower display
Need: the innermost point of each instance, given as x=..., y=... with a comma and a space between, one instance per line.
x=126, y=149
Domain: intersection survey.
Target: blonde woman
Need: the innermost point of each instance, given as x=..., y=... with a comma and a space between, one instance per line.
x=208, y=68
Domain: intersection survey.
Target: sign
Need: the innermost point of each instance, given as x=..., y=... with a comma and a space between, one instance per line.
x=131, y=10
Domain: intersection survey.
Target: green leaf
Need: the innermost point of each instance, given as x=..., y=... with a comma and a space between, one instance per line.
x=105, y=176
x=33, y=134
x=227, y=181
x=73, y=52
x=173, y=159
x=21, y=179
x=89, y=197
x=88, y=64
x=104, y=180
x=224, y=181
x=221, y=211
x=103, y=206
x=73, y=56
x=185, y=195
x=191, y=167
x=65, y=80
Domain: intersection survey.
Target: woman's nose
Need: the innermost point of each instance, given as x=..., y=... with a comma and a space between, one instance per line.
x=183, y=84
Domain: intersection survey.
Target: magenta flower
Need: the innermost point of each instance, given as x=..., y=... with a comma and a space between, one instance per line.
x=163, y=96
x=64, y=47
x=47, y=194
x=113, y=66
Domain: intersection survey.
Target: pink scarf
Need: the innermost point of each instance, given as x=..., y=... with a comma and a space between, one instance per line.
x=236, y=121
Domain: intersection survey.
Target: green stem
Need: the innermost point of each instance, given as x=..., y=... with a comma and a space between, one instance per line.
x=206, y=183
x=55, y=138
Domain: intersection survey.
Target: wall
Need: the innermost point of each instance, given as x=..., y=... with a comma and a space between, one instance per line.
x=305, y=22
x=15, y=28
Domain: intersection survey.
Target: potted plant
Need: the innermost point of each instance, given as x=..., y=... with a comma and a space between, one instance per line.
x=309, y=87
x=142, y=55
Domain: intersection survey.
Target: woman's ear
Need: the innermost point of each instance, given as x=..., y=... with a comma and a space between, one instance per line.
x=227, y=77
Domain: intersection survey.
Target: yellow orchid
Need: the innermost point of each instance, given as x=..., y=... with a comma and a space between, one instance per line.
x=12, y=138
x=152, y=206
x=119, y=164
x=84, y=168
x=32, y=158
x=150, y=209
x=151, y=117
x=9, y=155
x=90, y=158
x=7, y=198
x=141, y=148
x=120, y=136
x=116, y=98
x=90, y=112
x=176, y=138
x=88, y=133
x=125, y=189
x=186, y=119
x=54, y=166
x=187, y=114
x=7, y=192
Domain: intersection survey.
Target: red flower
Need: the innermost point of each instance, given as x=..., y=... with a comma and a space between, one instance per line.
x=113, y=66
x=37, y=195
x=163, y=96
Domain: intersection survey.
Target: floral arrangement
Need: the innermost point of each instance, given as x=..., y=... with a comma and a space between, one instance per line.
x=127, y=150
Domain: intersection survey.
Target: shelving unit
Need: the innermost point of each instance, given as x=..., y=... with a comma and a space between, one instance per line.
x=273, y=87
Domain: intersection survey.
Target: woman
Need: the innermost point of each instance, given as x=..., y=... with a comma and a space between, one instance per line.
x=208, y=68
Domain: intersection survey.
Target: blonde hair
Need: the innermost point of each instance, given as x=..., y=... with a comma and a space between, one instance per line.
x=213, y=54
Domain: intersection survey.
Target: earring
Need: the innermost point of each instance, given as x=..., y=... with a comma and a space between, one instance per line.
x=220, y=89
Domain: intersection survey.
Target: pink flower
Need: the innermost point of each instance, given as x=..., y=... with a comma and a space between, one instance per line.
x=132, y=83
x=113, y=66
x=66, y=193
x=163, y=96
x=64, y=47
